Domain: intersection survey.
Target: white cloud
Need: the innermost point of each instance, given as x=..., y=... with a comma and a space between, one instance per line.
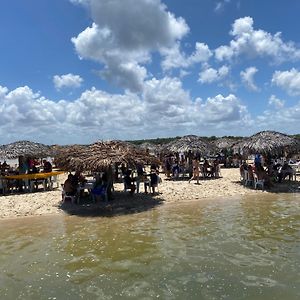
x=248, y=78
x=123, y=37
x=174, y=58
x=276, y=102
x=210, y=75
x=220, y=110
x=163, y=108
x=67, y=81
x=256, y=43
x=288, y=81
x=220, y=5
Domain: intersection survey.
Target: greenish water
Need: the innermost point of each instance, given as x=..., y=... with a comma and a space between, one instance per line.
x=243, y=248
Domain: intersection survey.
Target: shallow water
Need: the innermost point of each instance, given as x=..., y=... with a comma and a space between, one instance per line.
x=242, y=248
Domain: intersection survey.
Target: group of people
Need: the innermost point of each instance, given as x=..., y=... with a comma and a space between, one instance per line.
x=72, y=183
x=273, y=173
x=192, y=166
x=133, y=183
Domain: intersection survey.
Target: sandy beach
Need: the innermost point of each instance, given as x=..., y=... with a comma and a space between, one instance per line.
x=49, y=202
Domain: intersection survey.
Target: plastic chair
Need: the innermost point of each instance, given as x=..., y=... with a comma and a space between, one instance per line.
x=247, y=179
x=258, y=182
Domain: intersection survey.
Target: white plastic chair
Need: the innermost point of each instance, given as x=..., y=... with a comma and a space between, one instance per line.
x=247, y=179
x=258, y=182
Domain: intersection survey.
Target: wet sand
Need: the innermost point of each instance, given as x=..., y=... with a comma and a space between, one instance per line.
x=169, y=191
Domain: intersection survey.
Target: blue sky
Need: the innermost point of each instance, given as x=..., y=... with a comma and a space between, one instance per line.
x=76, y=71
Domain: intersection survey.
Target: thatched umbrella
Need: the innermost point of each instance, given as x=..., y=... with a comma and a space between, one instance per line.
x=224, y=143
x=188, y=143
x=270, y=142
x=152, y=148
x=100, y=155
x=26, y=149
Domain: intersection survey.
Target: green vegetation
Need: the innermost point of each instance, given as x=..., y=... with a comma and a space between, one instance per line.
x=161, y=141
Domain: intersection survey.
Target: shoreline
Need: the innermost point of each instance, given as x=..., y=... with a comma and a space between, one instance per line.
x=16, y=206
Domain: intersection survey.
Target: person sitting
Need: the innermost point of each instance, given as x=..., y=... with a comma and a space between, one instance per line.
x=47, y=166
x=285, y=171
x=129, y=182
x=206, y=168
x=99, y=191
x=70, y=189
x=262, y=175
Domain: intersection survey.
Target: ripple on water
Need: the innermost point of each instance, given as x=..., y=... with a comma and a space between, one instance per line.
x=247, y=248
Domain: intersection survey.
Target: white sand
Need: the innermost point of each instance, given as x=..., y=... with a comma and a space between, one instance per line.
x=42, y=203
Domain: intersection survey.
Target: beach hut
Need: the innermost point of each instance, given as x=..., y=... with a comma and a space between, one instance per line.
x=190, y=143
x=268, y=142
x=225, y=143
x=100, y=155
x=25, y=149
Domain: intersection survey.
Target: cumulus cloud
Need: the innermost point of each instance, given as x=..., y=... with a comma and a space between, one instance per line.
x=123, y=37
x=163, y=108
x=276, y=102
x=174, y=58
x=256, y=43
x=210, y=75
x=221, y=109
x=67, y=81
x=247, y=77
x=288, y=81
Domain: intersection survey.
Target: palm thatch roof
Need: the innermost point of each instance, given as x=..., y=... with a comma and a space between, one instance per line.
x=25, y=148
x=265, y=142
x=100, y=155
x=189, y=143
x=152, y=148
x=225, y=143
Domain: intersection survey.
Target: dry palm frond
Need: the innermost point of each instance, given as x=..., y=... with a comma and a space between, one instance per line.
x=25, y=148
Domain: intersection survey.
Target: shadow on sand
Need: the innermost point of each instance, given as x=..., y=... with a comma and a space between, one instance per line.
x=121, y=204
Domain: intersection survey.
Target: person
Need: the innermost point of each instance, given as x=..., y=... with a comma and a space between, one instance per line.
x=70, y=188
x=168, y=167
x=154, y=179
x=285, y=171
x=128, y=181
x=5, y=166
x=100, y=189
x=262, y=175
x=47, y=166
x=78, y=178
x=140, y=175
x=206, y=168
x=257, y=159
x=175, y=170
x=195, y=171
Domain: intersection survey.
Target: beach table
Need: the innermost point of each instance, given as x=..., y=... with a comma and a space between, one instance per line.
x=29, y=180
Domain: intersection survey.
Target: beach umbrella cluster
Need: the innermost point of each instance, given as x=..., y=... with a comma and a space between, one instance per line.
x=100, y=155
x=271, y=142
x=26, y=149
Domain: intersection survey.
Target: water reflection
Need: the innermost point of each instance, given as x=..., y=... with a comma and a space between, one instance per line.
x=245, y=248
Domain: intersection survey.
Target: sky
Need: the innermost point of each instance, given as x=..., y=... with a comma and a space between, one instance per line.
x=78, y=71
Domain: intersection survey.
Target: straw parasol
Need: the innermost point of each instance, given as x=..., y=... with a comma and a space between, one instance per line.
x=271, y=142
x=100, y=155
x=25, y=148
x=189, y=143
x=224, y=143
